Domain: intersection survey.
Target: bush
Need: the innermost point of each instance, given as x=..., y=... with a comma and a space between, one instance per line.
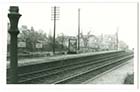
x=129, y=79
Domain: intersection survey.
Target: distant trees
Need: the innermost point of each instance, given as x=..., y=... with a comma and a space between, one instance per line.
x=88, y=42
x=62, y=40
x=31, y=37
x=86, y=38
x=123, y=45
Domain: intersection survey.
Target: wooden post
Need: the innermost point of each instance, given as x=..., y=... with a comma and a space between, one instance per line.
x=54, y=29
x=78, y=29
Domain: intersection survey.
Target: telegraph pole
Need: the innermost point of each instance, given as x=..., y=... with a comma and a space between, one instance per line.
x=55, y=11
x=78, y=29
x=117, y=39
x=13, y=31
x=54, y=30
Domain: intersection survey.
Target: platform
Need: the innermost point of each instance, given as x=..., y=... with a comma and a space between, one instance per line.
x=37, y=60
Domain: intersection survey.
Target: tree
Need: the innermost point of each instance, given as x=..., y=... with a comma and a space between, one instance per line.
x=123, y=45
x=49, y=43
x=31, y=37
x=62, y=39
x=85, y=38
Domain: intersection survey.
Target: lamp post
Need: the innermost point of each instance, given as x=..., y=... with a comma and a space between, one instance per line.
x=13, y=31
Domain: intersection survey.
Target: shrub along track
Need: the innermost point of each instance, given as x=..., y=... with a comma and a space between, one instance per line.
x=71, y=71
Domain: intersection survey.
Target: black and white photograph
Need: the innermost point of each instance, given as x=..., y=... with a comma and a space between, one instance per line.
x=70, y=44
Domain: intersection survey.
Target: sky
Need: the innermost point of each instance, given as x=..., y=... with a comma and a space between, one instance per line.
x=95, y=17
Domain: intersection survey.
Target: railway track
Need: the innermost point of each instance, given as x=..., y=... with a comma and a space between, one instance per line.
x=73, y=71
x=82, y=77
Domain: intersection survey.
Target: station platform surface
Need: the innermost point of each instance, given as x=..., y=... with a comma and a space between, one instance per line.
x=115, y=76
x=37, y=60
